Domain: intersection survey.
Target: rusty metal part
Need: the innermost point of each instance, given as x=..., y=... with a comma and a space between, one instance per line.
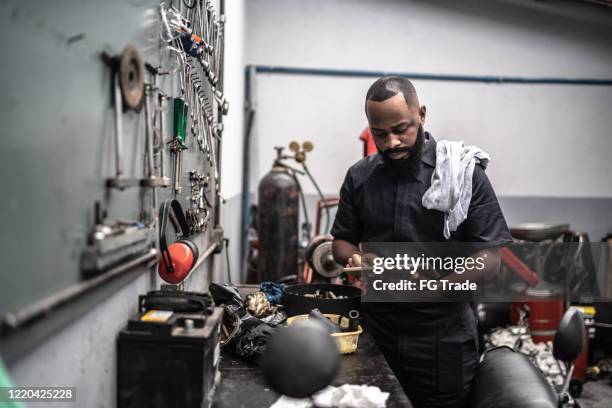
x=131, y=78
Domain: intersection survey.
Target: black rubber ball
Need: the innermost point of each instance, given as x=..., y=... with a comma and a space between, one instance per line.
x=300, y=359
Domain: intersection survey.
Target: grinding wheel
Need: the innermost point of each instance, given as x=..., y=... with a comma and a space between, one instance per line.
x=131, y=78
x=316, y=241
x=320, y=257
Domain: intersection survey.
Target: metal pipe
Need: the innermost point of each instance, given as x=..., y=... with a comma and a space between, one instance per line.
x=266, y=69
x=352, y=269
x=148, y=138
x=209, y=251
x=14, y=320
x=249, y=110
x=118, y=127
x=162, y=142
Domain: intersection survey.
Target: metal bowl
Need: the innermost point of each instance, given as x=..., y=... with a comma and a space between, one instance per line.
x=535, y=231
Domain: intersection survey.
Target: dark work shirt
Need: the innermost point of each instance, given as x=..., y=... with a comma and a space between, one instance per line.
x=431, y=347
x=377, y=206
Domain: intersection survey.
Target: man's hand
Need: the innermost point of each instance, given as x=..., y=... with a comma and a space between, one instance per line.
x=351, y=255
x=361, y=260
x=354, y=260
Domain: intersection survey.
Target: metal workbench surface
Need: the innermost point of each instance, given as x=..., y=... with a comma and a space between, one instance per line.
x=242, y=383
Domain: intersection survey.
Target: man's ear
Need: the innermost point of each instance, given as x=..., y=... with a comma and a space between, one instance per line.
x=423, y=113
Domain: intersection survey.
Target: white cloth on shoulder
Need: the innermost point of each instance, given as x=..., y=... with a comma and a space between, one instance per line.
x=451, y=182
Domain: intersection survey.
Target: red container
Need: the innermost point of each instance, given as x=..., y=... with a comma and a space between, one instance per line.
x=545, y=308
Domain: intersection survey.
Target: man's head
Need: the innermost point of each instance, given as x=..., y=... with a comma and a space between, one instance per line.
x=395, y=117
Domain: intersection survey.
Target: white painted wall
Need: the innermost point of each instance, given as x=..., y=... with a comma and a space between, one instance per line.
x=231, y=165
x=545, y=140
x=231, y=177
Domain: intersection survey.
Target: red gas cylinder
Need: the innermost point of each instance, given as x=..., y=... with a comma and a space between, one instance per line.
x=545, y=310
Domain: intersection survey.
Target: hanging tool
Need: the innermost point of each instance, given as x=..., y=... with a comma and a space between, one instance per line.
x=177, y=149
x=180, y=120
x=177, y=145
x=178, y=258
x=195, y=47
x=151, y=90
x=160, y=147
x=158, y=142
x=199, y=213
x=112, y=243
x=151, y=179
x=128, y=93
x=196, y=36
x=120, y=181
x=223, y=103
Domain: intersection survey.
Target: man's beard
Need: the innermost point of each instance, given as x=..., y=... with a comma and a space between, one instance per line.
x=406, y=166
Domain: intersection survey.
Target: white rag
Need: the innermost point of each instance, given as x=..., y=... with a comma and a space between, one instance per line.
x=451, y=182
x=345, y=396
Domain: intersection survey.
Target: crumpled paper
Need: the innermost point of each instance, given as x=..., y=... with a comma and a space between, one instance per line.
x=345, y=396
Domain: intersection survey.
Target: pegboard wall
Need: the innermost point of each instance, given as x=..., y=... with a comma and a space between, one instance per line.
x=114, y=107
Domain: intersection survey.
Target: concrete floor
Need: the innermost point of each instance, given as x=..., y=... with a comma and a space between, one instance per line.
x=596, y=394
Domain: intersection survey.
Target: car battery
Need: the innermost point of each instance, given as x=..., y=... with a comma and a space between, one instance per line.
x=176, y=301
x=168, y=358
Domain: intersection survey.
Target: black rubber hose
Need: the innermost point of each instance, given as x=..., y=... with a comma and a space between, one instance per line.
x=306, y=219
x=327, y=217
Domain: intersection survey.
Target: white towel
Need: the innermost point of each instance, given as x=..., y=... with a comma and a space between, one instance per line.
x=451, y=182
x=345, y=396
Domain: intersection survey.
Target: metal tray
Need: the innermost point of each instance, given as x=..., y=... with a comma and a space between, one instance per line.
x=536, y=231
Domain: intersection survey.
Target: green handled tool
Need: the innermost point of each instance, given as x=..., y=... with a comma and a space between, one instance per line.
x=180, y=121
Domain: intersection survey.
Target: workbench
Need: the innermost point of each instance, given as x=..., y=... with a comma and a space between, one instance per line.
x=242, y=384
